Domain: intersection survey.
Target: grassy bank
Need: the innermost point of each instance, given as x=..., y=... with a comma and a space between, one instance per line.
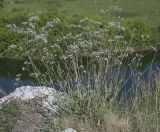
x=140, y=20
x=148, y=10
x=23, y=34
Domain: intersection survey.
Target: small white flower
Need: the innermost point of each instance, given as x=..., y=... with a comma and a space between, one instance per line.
x=34, y=19
x=12, y=46
x=118, y=37
x=23, y=68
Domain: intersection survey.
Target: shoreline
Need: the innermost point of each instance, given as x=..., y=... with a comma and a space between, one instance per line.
x=130, y=51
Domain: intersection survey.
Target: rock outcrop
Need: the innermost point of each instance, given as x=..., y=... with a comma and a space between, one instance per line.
x=46, y=97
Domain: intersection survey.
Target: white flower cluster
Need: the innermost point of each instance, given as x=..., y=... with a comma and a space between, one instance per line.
x=12, y=46
x=103, y=11
x=85, y=37
x=34, y=18
x=115, y=24
x=32, y=35
x=115, y=8
x=87, y=21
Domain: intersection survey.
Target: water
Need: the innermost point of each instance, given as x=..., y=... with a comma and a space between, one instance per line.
x=9, y=68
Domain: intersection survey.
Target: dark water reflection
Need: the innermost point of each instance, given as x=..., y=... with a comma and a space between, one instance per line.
x=8, y=85
x=150, y=69
x=9, y=68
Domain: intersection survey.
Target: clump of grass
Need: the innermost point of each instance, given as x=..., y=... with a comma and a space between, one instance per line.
x=9, y=114
x=20, y=115
x=113, y=123
x=89, y=110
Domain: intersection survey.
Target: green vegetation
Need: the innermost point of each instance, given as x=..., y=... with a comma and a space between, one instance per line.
x=9, y=114
x=90, y=110
x=91, y=49
x=140, y=18
x=146, y=9
x=23, y=34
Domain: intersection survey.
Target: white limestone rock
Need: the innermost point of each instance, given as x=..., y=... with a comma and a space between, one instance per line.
x=45, y=95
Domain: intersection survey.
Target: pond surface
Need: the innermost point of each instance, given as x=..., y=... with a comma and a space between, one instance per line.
x=9, y=68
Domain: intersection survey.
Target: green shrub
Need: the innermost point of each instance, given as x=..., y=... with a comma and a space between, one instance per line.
x=139, y=34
